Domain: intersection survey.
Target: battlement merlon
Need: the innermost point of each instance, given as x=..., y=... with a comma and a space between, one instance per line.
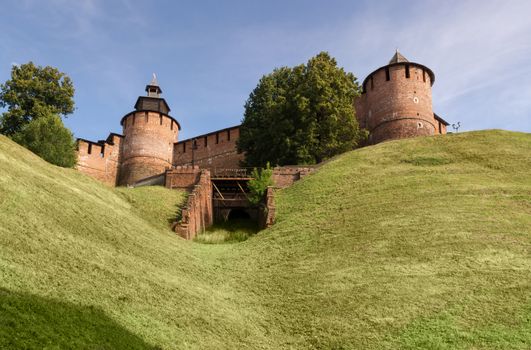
x=102, y=148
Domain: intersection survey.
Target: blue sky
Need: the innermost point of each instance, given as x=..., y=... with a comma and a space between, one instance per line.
x=209, y=55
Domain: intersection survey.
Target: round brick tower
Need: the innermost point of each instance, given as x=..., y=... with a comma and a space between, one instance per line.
x=396, y=101
x=149, y=134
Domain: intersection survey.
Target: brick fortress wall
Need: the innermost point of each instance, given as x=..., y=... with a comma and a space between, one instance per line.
x=285, y=176
x=182, y=177
x=197, y=214
x=213, y=150
x=100, y=160
x=396, y=103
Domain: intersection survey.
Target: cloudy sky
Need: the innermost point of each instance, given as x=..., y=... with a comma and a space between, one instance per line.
x=209, y=55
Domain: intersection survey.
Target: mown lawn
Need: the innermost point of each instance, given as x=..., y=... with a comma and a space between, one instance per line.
x=414, y=244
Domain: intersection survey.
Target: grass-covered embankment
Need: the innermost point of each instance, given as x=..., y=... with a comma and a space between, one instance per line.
x=421, y=243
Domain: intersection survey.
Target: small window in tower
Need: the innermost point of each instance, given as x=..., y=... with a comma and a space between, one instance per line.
x=161, y=119
x=147, y=116
x=228, y=135
x=387, y=75
x=423, y=75
x=171, y=125
x=217, y=138
x=372, y=83
x=184, y=147
x=89, y=148
x=206, y=141
x=407, y=71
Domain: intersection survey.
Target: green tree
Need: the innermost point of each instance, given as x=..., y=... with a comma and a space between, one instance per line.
x=301, y=115
x=50, y=139
x=34, y=92
x=260, y=181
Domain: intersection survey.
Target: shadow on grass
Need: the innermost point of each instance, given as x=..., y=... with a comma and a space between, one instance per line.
x=231, y=231
x=32, y=322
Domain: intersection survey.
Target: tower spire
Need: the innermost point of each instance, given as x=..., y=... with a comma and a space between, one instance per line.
x=398, y=58
x=153, y=89
x=154, y=81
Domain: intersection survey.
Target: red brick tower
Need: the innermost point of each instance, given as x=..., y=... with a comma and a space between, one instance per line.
x=396, y=102
x=149, y=133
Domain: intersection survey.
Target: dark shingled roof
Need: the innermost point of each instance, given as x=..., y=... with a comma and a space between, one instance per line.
x=398, y=58
x=440, y=119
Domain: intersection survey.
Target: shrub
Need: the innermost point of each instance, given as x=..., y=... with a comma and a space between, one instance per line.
x=50, y=139
x=261, y=180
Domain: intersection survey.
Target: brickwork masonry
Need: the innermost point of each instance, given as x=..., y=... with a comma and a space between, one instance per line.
x=214, y=150
x=267, y=214
x=100, y=160
x=197, y=214
x=147, y=146
x=285, y=176
x=396, y=103
x=182, y=177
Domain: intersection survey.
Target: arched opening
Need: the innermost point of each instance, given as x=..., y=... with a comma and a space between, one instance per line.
x=238, y=214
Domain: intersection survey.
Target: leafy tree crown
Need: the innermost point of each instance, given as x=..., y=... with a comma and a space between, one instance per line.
x=34, y=92
x=301, y=115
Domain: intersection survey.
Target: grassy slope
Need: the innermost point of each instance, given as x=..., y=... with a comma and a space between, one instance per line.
x=423, y=243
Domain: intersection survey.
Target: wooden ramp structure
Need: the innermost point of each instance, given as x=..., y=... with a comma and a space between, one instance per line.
x=230, y=194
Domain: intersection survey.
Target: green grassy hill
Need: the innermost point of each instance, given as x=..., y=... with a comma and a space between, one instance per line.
x=421, y=243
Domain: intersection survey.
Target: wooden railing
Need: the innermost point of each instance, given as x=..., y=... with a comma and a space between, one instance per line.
x=228, y=173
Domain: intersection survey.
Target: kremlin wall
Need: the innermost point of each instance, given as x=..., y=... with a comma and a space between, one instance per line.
x=395, y=103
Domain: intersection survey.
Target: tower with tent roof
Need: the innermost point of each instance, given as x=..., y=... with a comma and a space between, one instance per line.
x=396, y=102
x=149, y=133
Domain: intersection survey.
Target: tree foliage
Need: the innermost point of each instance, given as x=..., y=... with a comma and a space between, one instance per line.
x=34, y=92
x=301, y=115
x=50, y=139
x=35, y=98
x=260, y=181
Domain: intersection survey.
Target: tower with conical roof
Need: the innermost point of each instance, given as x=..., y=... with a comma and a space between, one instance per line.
x=396, y=102
x=149, y=134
